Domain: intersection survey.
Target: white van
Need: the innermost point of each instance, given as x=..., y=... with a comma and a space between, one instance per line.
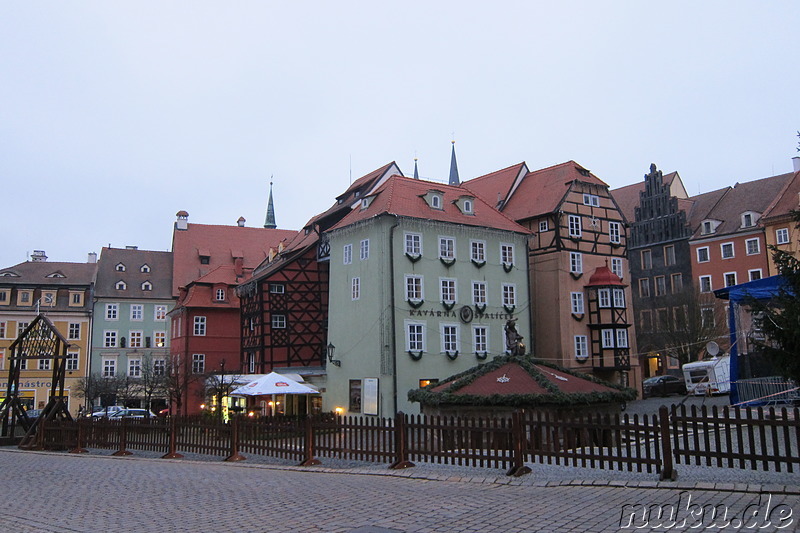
x=709, y=376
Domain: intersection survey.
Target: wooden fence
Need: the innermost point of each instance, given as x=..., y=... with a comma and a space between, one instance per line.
x=756, y=439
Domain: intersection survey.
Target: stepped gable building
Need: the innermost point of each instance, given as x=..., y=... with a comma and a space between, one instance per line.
x=130, y=337
x=780, y=229
x=209, y=261
x=63, y=292
x=284, y=307
x=577, y=228
x=426, y=280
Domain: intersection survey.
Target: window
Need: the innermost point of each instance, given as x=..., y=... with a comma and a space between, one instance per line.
x=705, y=283
x=145, y=269
x=542, y=226
x=753, y=246
x=754, y=274
x=479, y=292
x=414, y=288
x=2, y=330
x=581, y=347
x=277, y=288
x=614, y=232
x=21, y=327
x=679, y=317
x=782, y=236
x=447, y=248
x=135, y=339
x=669, y=255
x=160, y=313
x=24, y=297
x=44, y=364
x=644, y=288
x=147, y=286
x=608, y=338
x=137, y=312
x=109, y=339
x=348, y=254
x=480, y=339
x=574, y=226
x=576, y=299
x=702, y=255
x=449, y=338
x=159, y=367
x=413, y=244
x=730, y=279
x=121, y=286
x=205, y=259
x=109, y=367
x=355, y=395
x=509, y=294
x=279, y=321
x=160, y=338
x=604, y=297
x=726, y=249
x=747, y=220
x=415, y=337
x=616, y=266
x=436, y=201
x=355, y=288
x=507, y=254
x=112, y=311
x=661, y=285
x=647, y=259
x=4, y=296
x=622, y=338
x=448, y=290
x=364, y=250
x=708, y=227
x=646, y=321
x=23, y=363
x=199, y=326
x=76, y=298
x=74, y=332
x=198, y=363
x=477, y=251
x=134, y=367
x=72, y=361
x=120, y=267
x=662, y=320
x=677, y=282
x=575, y=262
x=591, y=199
x=468, y=206
x=251, y=363
x=707, y=317
x=619, y=298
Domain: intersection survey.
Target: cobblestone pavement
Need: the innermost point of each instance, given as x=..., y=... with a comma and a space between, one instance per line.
x=59, y=492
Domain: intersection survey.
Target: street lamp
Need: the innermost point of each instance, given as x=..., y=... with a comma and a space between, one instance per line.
x=331, y=351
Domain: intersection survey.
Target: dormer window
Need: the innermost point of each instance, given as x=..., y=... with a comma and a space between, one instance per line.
x=147, y=286
x=708, y=227
x=436, y=201
x=56, y=275
x=9, y=275
x=120, y=267
x=120, y=286
x=358, y=194
x=205, y=259
x=468, y=206
x=749, y=220
x=220, y=295
x=364, y=203
x=145, y=269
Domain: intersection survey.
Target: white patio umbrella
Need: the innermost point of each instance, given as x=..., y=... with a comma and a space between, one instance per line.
x=273, y=383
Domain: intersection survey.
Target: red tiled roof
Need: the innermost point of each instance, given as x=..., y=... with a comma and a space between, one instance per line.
x=202, y=295
x=787, y=200
x=221, y=244
x=498, y=183
x=602, y=276
x=508, y=379
x=570, y=383
x=402, y=196
x=627, y=199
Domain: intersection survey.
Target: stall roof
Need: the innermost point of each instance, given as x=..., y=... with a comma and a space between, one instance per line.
x=760, y=289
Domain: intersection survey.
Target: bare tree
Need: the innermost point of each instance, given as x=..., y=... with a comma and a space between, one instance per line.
x=221, y=384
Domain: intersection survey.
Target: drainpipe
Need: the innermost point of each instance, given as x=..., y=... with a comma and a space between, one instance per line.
x=393, y=341
x=530, y=296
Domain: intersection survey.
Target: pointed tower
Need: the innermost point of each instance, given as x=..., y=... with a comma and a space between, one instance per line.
x=270, y=222
x=454, y=168
x=416, y=171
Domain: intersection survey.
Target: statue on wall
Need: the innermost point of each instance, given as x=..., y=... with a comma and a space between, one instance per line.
x=514, y=343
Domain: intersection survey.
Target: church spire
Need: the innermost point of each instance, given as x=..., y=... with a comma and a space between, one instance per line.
x=270, y=222
x=416, y=170
x=454, y=168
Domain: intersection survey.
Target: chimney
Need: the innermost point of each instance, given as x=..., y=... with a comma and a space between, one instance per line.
x=92, y=258
x=39, y=256
x=183, y=220
x=796, y=163
x=241, y=222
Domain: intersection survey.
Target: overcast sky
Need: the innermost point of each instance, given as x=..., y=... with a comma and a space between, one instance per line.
x=114, y=116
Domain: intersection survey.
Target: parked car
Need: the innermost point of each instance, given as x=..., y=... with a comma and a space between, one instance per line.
x=132, y=413
x=106, y=411
x=663, y=386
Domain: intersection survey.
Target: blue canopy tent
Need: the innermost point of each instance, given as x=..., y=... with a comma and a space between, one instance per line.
x=760, y=289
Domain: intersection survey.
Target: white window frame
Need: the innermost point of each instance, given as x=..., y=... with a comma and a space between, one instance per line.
x=752, y=271
x=782, y=236
x=355, y=288
x=618, y=297
x=73, y=361
x=159, y=335
x=278, y=321
x=725, y=279
x=581, y=347
x=710, y=284
x=615, y=232
x=707, y=254
x=757, y=248
x=604, y=298
x=449, y=334
x=121, y=286
x=480, y=339
x=591, y=200
x=447, y=247
x=413, y=244
x=109, y=366
x=543, y=226
x=607, y=338
x=622, y=338
x=135, y=367
x=198, y=363
x=159, y=366
x=448, y=290
x=347, y=254
x=160, y=313
x=137, y=312
x=200, y=324
x=74, y=331
x=722, y=248
x=418, y=286
x=574, y=224
x=479, y=293
x=577, y=304
x=616, y=267
x=219, y=295
x=509, y=294
x=364, y=249
x=135, y=339
x=110, y=338
x=477, y=251
x=506, y=253
x=112, y=312
x=576, y=262
x=415, y=336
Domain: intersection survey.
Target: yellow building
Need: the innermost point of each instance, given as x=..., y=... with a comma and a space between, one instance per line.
x=62, y=292
x=779, y=227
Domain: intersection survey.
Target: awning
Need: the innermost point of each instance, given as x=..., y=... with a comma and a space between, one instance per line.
x=273, y=383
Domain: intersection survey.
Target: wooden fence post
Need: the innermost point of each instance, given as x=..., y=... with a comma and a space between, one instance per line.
x=235, y=455
x=668, y=471
x=40, y=434
x=400, y=443
x=518, y=468
x=123, y=440
x=308, y=444
x=172, y=453
x=79, y=445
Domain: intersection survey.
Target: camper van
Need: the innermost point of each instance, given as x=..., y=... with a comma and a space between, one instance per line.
x=709, y=376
